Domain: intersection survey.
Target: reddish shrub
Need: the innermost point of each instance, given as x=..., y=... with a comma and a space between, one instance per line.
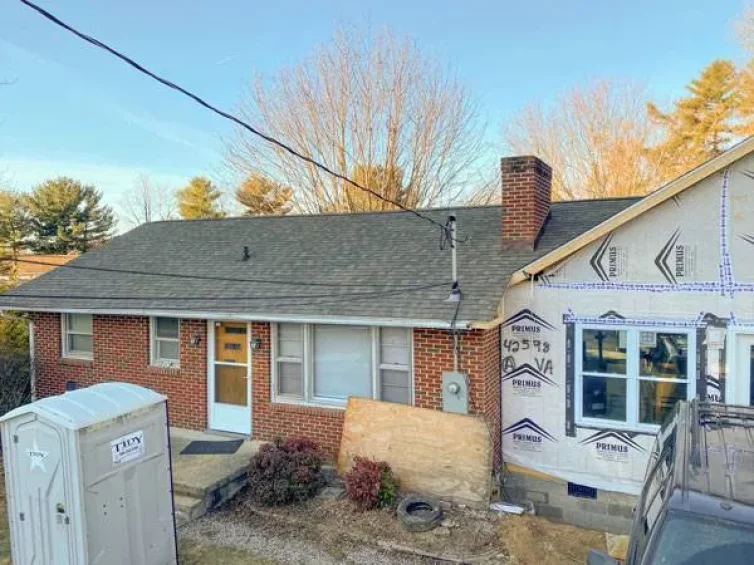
x=287, y=471
x=371, y=484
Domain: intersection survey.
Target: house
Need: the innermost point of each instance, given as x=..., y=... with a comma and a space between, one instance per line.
x=31, y=266
x=580, y=324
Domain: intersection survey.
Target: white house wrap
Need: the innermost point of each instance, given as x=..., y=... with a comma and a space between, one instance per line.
x=597, y=348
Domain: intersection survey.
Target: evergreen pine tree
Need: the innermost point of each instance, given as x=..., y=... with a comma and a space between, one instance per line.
x=701, y=125
x=14, y=229
x=199, y=199
x=66, y=215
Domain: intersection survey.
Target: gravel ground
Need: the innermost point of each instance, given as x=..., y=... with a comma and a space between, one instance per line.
x=279, y=543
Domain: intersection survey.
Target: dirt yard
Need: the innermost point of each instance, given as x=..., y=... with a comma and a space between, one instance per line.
x=536, y=541
x=331, y=532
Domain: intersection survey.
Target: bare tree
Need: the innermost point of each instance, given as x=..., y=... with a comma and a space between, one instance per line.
x=375, y=104
x=744, y=28
x=594, y=138
x=148, y=202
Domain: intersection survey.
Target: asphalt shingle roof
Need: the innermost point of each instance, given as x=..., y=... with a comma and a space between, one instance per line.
x=381, y=249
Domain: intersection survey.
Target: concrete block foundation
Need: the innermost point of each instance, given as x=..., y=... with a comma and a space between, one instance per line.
x=610, y=511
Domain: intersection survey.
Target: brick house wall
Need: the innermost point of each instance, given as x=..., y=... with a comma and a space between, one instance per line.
x=122, y=352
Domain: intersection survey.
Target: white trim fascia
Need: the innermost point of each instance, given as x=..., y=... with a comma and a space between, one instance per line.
x=251, y=317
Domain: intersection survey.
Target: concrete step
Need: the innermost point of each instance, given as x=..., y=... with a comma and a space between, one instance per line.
x=200, y=491
x=188, y=508
x=193, y=502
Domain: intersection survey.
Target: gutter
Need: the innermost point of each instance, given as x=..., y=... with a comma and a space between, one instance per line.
x=251, y=317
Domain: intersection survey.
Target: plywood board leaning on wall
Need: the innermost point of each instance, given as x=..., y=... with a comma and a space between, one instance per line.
x=447, y=456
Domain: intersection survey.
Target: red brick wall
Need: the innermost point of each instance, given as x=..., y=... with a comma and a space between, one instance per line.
x=272, y=420
x=527, y=188
x=479, y=358
x=121, y=353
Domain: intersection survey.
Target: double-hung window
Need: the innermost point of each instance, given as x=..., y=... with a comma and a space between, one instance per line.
x=325, y=364
x=78, y=336
x=632, y=378
x=395, y=365
x=165, y=342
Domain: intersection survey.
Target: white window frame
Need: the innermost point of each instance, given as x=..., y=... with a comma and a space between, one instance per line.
x=380, y=366
x=307, y=363
x=66, y=331
x=632, y=375
x=153, y=339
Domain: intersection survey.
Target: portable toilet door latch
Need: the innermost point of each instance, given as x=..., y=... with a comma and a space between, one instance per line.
x=60, y=509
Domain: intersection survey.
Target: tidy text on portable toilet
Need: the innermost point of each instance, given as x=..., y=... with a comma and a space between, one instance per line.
x=88, y=478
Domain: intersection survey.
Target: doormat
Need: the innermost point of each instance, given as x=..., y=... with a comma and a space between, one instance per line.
x=212, y=447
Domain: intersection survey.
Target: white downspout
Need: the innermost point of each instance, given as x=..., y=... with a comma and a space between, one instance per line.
x=32, y=363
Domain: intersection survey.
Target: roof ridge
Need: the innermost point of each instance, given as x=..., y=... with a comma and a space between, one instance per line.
x=381, y=212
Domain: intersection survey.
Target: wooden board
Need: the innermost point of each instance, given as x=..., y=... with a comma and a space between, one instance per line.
x=447, y=456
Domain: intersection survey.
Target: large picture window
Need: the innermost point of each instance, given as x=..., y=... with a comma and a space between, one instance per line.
x=325, y=364
x=78, y=332
x=632, y=377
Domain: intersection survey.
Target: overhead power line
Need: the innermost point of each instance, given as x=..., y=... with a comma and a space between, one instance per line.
x=129, y=298
x=238, y=121
x=212, y=277
x=286, y=300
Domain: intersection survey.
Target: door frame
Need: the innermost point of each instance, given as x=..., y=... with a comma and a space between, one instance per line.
x=213, y=422
x=732, y=356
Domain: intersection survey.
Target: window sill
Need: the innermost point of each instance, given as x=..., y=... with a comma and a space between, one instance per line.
x=606, y=425
x=279, y=405
x=77, y=361
x=164, y=369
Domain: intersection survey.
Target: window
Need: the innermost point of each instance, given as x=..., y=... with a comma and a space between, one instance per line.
x=632, y=378
x=165, y=342
x=290, y=361
x=395, y=365
x=77, y=336
x=325, y=364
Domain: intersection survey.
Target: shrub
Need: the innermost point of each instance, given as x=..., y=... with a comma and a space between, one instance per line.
x=371, y=484
x=15, y=380
x=286, y=471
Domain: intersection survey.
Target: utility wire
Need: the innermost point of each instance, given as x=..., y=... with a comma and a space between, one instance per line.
x=209, y=277
x=142, y=69
x=345, y=296
x=331, y=299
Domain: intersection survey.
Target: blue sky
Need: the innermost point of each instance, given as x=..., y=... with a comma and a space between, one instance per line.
x=75, y=110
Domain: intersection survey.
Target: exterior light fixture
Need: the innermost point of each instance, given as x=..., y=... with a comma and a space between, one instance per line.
x=256, y=343
x=196, y=339
x=455, y=293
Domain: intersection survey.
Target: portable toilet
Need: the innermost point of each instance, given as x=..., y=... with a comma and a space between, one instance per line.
x=88, y=478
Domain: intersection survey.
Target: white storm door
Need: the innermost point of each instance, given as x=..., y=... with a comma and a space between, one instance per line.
x=229, y=358
x=742, y=385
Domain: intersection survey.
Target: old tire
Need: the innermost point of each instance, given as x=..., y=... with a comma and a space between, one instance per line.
x=419, y=514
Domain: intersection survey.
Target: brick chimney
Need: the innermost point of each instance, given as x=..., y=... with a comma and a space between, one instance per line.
x=527, y=189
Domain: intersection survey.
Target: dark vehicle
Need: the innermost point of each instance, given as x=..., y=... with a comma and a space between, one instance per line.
x=697, y=503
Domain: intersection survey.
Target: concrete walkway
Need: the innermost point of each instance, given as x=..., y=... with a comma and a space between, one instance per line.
x=202, y=482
